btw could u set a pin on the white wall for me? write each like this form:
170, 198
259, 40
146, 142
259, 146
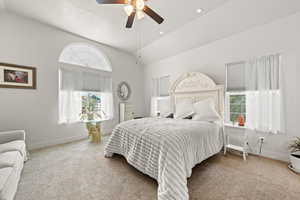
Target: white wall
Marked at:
29, 43
281, 36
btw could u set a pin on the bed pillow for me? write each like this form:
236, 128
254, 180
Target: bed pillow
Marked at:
171, 116
189, 117
184, 109
205, 111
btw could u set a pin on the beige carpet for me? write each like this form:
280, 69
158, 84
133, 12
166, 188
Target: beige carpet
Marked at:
78, 171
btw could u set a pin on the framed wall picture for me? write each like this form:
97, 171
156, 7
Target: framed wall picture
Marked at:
16, 76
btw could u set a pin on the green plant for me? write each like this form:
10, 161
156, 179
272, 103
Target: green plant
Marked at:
295, 145
91, 108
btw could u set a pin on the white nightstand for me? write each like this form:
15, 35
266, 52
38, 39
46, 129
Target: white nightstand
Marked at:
227, 145
126, 112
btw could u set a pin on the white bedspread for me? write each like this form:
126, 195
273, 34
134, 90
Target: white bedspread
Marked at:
166, 150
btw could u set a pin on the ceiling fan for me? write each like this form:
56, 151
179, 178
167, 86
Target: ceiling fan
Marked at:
135, 8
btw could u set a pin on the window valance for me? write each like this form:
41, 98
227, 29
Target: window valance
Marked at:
84, 79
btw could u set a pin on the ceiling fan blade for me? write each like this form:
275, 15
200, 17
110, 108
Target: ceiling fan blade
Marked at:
130, 20
112, 1
153, 15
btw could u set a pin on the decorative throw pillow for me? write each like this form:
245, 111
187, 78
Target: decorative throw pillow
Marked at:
205, 111
170, 116
184, 109
189, 117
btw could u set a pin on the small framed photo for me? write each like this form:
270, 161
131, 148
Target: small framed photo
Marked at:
16, 76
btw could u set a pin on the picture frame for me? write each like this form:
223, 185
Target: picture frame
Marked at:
17, 76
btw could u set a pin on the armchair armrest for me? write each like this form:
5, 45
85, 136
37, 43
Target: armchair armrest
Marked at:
9, 136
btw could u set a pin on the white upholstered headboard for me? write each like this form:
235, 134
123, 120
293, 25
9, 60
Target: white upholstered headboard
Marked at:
196, 86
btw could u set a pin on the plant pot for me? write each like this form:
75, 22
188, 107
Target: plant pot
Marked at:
295, 160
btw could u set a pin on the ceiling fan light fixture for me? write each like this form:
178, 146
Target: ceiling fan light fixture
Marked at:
128, 9
140, 14
199, 10
140, 4
134, 9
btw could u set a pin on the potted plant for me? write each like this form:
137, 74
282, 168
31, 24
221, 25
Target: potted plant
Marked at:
92, 114
295, 154
91, 108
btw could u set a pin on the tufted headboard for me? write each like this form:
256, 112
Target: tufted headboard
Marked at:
197, 86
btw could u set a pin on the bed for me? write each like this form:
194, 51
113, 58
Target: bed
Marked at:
167, 149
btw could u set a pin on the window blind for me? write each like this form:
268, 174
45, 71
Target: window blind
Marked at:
256, 74
235, 76
83, 79
160, 86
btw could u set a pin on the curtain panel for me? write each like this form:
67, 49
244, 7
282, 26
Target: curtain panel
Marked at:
74, 81
160, 101
161, 86
264, 94
260, 80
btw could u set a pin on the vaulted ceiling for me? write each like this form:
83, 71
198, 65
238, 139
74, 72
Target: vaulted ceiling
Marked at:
106, 23
231, 18
183, 27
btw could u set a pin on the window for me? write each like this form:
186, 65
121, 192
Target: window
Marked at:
160, 102
236, 93
91, 106
253, 90
85, 55
85, 85
237, 106
161, 86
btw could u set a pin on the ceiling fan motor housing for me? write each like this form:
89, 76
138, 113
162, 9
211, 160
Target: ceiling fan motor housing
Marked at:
135, 7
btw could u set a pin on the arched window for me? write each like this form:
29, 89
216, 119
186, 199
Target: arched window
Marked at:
85, 84
86, 56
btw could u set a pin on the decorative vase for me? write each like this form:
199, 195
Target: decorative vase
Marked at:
295, 160
241, 120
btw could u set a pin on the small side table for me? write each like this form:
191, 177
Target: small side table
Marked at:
227, 145
94, 130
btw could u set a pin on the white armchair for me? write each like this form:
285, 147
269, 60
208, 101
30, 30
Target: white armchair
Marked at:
9, 136
12, 157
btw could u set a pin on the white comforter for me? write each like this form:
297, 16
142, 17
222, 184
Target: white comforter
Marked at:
166, 150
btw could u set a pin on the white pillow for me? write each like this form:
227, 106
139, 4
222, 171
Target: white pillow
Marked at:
184, 109
205, 111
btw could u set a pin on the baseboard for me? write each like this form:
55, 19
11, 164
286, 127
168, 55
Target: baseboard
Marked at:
276, 155
272, 155
56, 142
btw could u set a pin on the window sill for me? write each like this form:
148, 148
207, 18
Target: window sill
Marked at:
84, 121
235, 126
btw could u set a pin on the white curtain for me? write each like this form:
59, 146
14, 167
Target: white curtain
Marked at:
161, 86
264, 106
73, 81
69, 106
160, 101
107, 104
161, 105
154, 105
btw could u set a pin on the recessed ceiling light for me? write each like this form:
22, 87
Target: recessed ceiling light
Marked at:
161, 32
199, 10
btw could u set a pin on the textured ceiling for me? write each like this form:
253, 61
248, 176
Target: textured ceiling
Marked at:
106, 23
